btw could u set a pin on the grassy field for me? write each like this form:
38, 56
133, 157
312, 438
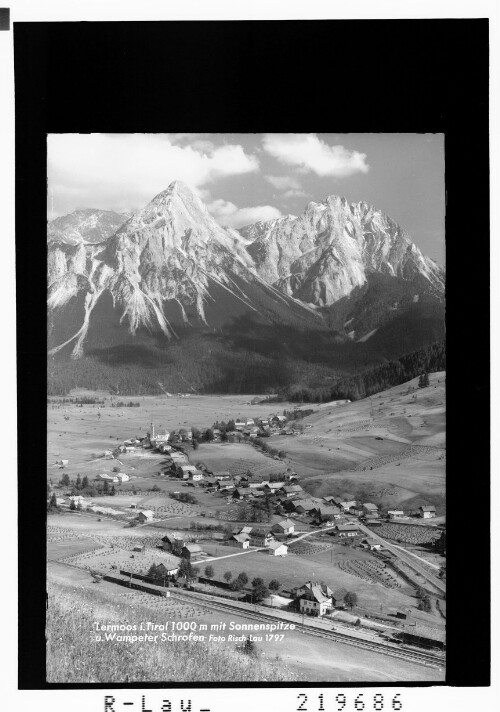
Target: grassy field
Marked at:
295, 570
73, 656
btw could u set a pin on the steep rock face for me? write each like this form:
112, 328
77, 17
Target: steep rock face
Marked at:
330, 249
170, 265
85, 225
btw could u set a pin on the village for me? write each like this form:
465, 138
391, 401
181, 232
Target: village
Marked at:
251, 534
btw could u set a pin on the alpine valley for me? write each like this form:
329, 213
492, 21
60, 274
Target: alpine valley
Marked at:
169, 299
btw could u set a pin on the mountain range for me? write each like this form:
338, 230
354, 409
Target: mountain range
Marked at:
341, 277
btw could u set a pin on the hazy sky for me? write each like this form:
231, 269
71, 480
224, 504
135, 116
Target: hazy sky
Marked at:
248, 177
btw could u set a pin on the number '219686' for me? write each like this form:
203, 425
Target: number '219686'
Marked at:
361, 702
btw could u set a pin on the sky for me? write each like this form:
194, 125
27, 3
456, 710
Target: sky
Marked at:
244, 178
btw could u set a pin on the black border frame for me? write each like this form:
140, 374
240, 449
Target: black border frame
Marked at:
253, 76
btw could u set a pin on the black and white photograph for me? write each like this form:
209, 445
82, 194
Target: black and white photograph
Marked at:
246, 407
252, 361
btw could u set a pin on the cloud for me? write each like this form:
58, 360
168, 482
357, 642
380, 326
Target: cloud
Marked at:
227, 213
308, 153
120, 170
283, 182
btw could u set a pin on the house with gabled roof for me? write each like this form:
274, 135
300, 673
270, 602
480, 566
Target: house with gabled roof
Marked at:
277, 548
306, 506
370, 509
259, 536
240, 540
314, 598
346, 530
191, 551
345, 506
291, 490
427, 512
145, 516
285, 526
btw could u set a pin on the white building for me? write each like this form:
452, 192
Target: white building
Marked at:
276, 548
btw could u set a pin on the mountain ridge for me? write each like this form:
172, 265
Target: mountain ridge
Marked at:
342, 269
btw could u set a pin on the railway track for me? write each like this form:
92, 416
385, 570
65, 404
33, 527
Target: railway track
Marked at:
391, 649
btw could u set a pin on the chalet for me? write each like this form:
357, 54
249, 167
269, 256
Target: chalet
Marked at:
164, 447
427, 512
315, 599
250, 421
196, 475
277, 548
225, 486
327, 515
395, 513
256, 494
346, 506
240, 424
346, 530
191, 551
184, 471
107, 478
338, 597
145, 516
241, 493
122, 477
356, 510
240, 540
222, 476
170, 540
284, 527
370, 509
305, 506
260, 536
273, 487
330, 499
291, 490
167, 569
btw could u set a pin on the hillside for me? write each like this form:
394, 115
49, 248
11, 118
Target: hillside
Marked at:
389, 449
73, 655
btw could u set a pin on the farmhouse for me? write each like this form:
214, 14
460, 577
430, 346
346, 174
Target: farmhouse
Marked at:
241, 540
122, 477
184, 471
370, 508
169, 541
222, 476
107, 478
277, 548
167, 569
327, 515
291, 490
273, 486
284, 527
240, 493
395, 513
145, 516
356, 510
346, 506
427, 512
260, 537
191, 551
315, 599
196, 475
304, 506
346, 530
